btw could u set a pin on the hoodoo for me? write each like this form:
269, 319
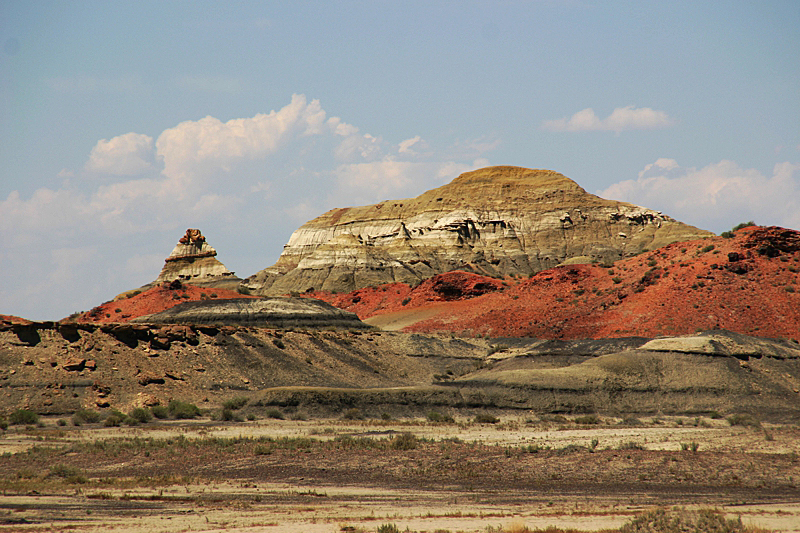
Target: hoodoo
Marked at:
192, 260
496, 221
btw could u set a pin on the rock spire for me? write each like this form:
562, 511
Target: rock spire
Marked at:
193, 260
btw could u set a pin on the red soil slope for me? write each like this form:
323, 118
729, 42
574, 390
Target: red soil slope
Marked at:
749, 284
153, 300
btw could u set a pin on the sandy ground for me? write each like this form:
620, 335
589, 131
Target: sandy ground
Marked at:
309, 505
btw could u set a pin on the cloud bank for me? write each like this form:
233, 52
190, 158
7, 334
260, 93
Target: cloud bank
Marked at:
621, 119
717, 196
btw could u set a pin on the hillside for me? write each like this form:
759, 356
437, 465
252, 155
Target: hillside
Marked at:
749, 284
496, 221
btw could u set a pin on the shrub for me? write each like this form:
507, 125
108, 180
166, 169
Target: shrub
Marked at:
68, 473
587, 420
23, 416
160, 412
661, 521
3, 423
686, 446
388, 528
114, 419
616, 279
435, 416
235, 403
707, 248
631, 445
353, 414
404, 441
278, 343
227, 415
486, 418
274, 413
62, 422
744, 420
182, 410
141, 415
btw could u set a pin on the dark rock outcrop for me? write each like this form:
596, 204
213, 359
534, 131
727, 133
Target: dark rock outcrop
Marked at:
262, 312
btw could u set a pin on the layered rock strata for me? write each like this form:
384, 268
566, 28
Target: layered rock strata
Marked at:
496, 221
193, 259
261, 312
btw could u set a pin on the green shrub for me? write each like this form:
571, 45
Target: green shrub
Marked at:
62, 422
115, 419
23, 416
707, 248
486, 418
160, 412
3, 423
183, 410
631, 445
227, 415
274, 413
235, 403
404, 441
141, 415
388, 528
616, 279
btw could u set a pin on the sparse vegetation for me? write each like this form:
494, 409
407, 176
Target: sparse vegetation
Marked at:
485, 418
141, 415
182, 410
235, 403
24, 417
745, 420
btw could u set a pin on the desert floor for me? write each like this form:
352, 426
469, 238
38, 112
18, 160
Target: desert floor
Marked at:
329, 475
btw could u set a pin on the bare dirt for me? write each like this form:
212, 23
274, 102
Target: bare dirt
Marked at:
332, 475
749, 284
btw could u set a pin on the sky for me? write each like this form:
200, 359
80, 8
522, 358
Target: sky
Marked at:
124, 123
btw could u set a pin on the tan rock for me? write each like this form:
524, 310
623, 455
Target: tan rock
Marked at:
192, 259
496, 221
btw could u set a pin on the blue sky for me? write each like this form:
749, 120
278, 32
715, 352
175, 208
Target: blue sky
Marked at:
124, 123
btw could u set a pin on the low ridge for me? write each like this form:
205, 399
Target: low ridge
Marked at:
496, 221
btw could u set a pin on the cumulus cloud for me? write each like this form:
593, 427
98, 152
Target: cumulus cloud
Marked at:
247, 183
621, 119
717, 196
124, 155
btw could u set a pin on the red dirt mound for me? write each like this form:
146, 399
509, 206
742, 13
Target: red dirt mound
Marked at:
7, 321
749, 284
153, 300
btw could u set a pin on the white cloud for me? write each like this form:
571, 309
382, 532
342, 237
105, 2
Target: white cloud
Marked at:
621, 119
405, 146
125, 155
247, 182
717, 196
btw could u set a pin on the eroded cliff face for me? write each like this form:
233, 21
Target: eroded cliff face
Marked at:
496, 221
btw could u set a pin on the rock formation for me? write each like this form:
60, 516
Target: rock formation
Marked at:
497, 221
262, 312
192, 260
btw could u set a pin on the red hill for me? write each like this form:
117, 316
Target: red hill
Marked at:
153, 300
749, 284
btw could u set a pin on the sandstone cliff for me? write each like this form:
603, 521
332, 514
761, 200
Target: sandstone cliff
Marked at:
496, 221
